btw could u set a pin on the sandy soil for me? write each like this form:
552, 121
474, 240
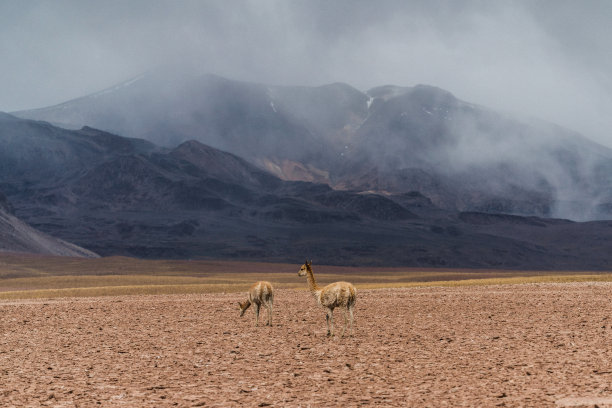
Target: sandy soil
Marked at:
525, 345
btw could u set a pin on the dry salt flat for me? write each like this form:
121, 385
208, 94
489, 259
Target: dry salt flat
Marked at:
514, 345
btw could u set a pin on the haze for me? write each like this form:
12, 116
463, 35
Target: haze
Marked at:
546, 59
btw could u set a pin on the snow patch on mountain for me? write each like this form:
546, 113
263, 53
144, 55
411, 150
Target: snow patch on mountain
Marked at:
118, 87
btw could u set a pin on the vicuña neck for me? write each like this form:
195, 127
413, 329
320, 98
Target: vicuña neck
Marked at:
312, 283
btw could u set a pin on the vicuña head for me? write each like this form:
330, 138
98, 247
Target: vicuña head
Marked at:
304, 269
260, 293
337, 294
244, 306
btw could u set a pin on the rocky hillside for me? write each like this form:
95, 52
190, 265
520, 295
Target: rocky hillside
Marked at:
123, 196
17, 236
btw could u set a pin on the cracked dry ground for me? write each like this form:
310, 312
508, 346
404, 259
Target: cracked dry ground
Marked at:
521, 345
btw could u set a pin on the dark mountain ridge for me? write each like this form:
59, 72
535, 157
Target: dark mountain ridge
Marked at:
126, 196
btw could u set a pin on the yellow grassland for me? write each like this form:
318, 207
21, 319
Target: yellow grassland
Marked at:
27, 276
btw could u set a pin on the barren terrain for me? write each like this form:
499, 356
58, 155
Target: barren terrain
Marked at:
502, 345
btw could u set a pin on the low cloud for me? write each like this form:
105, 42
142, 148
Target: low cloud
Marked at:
547, 59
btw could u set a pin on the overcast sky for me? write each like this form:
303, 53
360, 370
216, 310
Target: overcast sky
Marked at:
548, 59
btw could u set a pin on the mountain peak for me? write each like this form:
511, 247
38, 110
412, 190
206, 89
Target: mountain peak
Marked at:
387, 91
196, 152
432, 90
218, 163
420, 91
191, 145
432, 95
116, 143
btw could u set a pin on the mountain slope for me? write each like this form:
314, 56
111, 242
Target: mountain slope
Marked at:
38, 149
17, 236
133, 198
234, 116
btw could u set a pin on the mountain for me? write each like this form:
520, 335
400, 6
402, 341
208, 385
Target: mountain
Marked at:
388, 140
229, 115
469, 158
118, 195
126, 196
284, 130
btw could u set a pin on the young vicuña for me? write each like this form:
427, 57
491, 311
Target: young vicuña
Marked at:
261, 293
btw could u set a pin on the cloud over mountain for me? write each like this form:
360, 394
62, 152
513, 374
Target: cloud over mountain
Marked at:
388, 139
546, 59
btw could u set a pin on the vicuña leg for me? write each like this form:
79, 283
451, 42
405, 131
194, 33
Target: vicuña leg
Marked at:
257, 306
269, 306
350, 310
330, 321
345, 322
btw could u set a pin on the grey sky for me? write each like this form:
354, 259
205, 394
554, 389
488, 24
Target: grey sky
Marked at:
549, 59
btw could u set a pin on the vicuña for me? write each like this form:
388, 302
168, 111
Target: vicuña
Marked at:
261, 293
337, 294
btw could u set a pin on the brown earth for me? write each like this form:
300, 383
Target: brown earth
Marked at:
512, 345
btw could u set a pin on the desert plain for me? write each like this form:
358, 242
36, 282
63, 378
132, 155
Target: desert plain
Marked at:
530, 344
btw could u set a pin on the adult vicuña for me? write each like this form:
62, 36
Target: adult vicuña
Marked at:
337, 294
261, 293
